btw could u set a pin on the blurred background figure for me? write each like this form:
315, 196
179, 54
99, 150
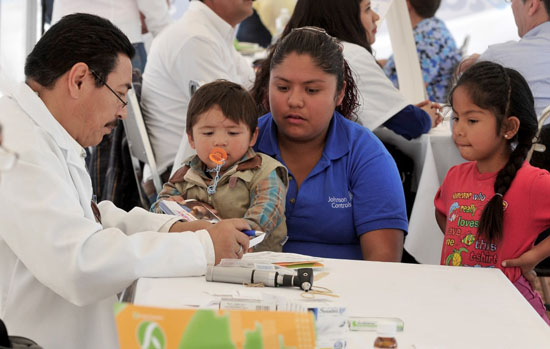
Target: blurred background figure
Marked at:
531, 54
253, 30
133, 17
435, 46
199, 48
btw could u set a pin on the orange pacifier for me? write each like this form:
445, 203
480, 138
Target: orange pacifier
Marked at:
218, 156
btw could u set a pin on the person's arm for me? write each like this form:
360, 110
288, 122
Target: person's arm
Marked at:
157, 14
379, 99
379, 209
169, 192
441, 220
267, 207
527, 261
538, 198
410, 122
384, 245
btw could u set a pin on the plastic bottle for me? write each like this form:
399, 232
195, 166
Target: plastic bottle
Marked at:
386, 335
280, 23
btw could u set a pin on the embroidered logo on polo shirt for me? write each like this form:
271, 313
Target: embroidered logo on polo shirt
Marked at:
339, 202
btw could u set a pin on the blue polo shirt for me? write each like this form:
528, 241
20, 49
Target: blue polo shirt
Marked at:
353, 189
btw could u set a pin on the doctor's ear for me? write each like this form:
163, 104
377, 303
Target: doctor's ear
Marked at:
78, 77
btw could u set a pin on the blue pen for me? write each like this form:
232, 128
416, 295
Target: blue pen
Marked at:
253, 233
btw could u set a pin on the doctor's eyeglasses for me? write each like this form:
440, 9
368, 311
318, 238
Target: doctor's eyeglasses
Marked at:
124, 103
8, 159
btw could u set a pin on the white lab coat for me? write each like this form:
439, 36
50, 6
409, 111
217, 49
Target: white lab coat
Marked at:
59, 269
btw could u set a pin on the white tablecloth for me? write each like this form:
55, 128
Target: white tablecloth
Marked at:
441, 306
433, 154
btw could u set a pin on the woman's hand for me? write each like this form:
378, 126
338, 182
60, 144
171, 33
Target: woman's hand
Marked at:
433, 110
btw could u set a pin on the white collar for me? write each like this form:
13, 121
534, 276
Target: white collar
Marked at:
216, 22
33, 106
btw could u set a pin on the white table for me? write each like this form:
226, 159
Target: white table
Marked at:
433, 155
441, 306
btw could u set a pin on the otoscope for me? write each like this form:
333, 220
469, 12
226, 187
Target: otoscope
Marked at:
237, 275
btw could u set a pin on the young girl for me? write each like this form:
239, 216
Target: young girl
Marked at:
345, 198
493, 207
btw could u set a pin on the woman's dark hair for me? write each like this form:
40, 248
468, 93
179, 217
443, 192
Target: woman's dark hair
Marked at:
339, 18
425, 8
77, 38
234, 101
505, 93
324, 50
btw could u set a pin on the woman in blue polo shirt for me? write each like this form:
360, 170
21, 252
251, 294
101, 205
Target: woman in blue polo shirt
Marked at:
345, 198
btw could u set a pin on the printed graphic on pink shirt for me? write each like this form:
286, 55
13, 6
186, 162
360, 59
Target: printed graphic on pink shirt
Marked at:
461, 246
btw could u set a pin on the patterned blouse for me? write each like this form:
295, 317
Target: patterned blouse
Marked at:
438, 57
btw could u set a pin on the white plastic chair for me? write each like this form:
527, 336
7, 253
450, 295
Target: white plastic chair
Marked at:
140, 146
184, 149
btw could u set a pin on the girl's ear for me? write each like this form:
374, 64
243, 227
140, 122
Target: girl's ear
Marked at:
510, 127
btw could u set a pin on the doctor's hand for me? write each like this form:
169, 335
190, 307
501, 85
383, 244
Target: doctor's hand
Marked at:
228, 239
190, 226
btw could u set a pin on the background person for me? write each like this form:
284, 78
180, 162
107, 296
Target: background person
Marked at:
251, 185
126, 15
339, 171
436, 48
64, 258
197, 47
493, 207
531, 54
354, 23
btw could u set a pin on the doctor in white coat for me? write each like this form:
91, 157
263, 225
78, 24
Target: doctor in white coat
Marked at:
61, 263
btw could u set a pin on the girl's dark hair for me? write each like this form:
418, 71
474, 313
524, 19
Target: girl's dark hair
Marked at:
324, 50
234, 101
77, 38
505, 93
